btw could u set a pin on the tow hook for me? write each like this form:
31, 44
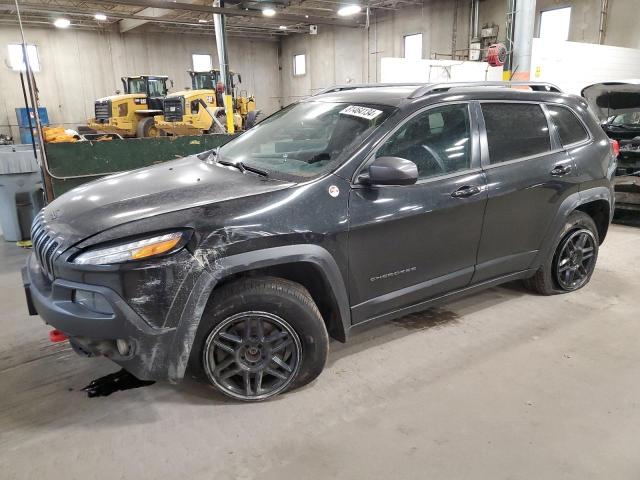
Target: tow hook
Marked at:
57, 336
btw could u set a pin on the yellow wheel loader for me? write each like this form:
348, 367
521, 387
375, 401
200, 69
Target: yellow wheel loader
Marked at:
201, 110
131, 114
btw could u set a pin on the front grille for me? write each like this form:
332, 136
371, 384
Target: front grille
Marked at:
173, 109
45, 244
103, 109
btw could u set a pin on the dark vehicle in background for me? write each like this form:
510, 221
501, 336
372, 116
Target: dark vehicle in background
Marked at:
617, 104
358, 204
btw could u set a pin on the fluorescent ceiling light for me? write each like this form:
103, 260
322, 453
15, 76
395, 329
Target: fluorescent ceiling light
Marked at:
62, 22
348, 10
282, 27
202, 20
100, 17
268, 12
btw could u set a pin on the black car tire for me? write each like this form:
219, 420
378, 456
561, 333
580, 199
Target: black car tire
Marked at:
546, 280
147, 128
252, 119
276, 301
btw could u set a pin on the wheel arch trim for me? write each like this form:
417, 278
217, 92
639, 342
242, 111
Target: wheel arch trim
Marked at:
569, 205
245, 262
300, 253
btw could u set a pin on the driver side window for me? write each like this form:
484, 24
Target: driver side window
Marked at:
438, 141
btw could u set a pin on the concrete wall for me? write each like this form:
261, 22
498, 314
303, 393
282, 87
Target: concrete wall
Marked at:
622, 26
337, 55
80, 66
354, 55
364, 49
563, 63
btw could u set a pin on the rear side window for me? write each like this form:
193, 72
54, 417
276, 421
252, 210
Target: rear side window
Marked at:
569, 127
515, 130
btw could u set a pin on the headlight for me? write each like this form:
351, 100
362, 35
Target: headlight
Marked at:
137, 250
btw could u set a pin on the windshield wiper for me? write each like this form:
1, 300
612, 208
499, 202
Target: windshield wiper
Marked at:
242, 167
213, 155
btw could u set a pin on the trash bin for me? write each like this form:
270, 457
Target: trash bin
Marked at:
24, 209
20, 191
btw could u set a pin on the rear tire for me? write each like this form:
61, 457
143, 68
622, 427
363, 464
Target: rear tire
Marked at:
147, 128
570, 265
260, 337
252, 119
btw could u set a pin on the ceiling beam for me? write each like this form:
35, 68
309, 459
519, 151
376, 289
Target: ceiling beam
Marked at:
269, 24
315, 20
132, 22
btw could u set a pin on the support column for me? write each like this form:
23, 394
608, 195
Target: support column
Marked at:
219, 24
523, 39
508, 42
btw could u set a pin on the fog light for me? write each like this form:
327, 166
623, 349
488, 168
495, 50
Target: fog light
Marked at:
92, 301
124, 347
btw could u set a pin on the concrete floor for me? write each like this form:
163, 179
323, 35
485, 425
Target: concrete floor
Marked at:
501, 385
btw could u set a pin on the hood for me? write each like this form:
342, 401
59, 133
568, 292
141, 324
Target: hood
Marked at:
608, 99
130, 196
123, 96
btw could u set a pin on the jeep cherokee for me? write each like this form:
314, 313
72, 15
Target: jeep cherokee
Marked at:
360, 203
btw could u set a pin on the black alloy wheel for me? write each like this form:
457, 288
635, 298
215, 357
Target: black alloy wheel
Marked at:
252, 355
576, 260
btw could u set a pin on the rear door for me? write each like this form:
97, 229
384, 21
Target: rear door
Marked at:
529, 174
413, 242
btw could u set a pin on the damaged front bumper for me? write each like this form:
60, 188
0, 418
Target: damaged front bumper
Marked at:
154, 344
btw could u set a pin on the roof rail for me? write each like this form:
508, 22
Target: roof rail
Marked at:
353, 86
445, 87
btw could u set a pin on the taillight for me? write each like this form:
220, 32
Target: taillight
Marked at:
615, 147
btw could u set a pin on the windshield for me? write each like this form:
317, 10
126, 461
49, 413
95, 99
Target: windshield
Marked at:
306, 139
631, 119
205, 81
157, 87
137, 85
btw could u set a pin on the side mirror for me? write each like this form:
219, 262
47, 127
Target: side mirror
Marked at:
391, 171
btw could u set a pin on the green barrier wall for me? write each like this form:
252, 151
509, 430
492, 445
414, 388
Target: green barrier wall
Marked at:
98, 159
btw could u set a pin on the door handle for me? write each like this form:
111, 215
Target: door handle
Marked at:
466, 191
560, 170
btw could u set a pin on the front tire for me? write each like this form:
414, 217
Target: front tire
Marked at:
573, 261
261, 337
147, 128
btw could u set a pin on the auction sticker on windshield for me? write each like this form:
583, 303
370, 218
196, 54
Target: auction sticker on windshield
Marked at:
362, 112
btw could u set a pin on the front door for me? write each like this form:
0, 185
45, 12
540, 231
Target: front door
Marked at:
411, 243
528, 176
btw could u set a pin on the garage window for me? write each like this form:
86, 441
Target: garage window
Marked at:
413, 46
554, 24
299, 64
16, 58
201, 62
569, 127
515, 130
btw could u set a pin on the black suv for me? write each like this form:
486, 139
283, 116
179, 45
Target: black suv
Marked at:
357, 204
